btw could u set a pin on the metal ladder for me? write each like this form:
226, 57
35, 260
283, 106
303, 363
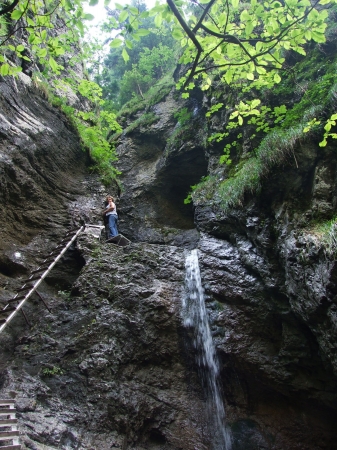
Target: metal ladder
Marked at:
15, 304
8, 420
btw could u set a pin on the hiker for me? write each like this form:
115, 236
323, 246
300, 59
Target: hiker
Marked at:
111, 214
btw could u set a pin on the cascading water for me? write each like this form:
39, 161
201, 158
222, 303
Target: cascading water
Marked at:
194, 316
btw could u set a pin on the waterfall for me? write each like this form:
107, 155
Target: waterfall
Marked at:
195, 318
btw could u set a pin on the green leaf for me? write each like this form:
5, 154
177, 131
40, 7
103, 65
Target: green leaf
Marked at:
177, 34
31, 38
185, 95
317, 37
123, 16
93, 2
250, 76
228, 76
116, 43
307, 35
158, 20
16, 14
80, 27
44, 34
20, 48
128, 44
142, 32
42, 53
249, 28
277, 78
88, 17
53, 64
4, 69
255, 103
125, 55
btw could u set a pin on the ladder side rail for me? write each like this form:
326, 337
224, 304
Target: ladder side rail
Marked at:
20, 305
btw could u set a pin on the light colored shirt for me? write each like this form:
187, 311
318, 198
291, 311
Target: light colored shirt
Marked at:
114, 211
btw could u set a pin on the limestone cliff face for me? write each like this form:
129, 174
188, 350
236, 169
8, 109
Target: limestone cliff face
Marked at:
270, 286
111, 365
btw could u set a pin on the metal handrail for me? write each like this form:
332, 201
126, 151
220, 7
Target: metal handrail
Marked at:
35, 286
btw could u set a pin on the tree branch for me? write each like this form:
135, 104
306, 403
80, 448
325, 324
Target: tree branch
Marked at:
9, 8
208, 7
184, 25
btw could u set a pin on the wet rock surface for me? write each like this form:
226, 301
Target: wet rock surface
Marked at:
106, 367
111, 365
156, 177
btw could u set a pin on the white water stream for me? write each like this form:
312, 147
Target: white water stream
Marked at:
194, 316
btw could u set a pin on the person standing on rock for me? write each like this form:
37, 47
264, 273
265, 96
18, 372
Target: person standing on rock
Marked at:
111, 214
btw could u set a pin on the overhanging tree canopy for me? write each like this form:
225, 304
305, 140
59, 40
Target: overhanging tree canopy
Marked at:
240, 40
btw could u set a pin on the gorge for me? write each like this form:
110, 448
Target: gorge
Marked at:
114, 364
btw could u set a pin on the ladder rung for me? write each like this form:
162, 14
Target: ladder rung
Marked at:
16, 299
7, 410
48, 261
25, 288
32, 279
7, 401
8, 434
11, 308
4, 422
11, 447
40, 269
74, 231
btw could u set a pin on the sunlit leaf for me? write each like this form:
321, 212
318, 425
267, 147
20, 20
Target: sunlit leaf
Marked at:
125, 55
53, 64
123, 16
116, 43
277, 78
16, 14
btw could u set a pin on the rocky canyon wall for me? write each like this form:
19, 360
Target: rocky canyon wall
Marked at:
111, 365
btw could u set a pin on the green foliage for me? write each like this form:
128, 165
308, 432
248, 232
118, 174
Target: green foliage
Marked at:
48, 38
65, 295
327, 234
143, 120
145, 57
47, 372
205, 181
273, 150
330, 122
183, 116
93, 127
152, 65
241, 41
153, 96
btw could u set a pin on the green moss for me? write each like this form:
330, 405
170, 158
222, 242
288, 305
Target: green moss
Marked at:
153, 96
273, 150
326, 233
143, 120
